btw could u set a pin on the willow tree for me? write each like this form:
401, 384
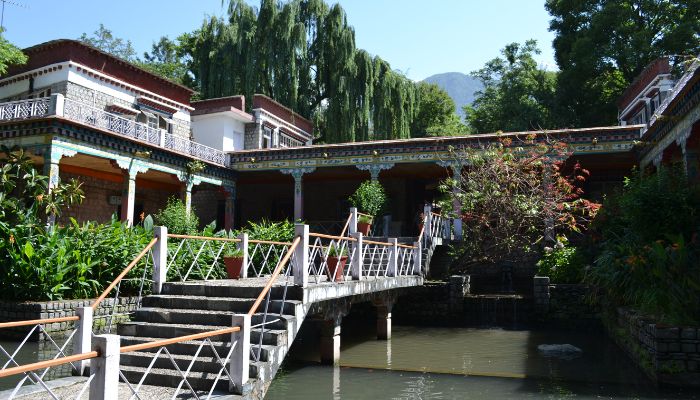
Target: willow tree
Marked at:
302, 53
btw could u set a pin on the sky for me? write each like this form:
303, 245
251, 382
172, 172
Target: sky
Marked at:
419, 38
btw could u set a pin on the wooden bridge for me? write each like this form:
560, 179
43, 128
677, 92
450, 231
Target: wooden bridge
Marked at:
199, 336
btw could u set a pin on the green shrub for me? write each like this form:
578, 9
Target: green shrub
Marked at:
649, 253
175, 217
370, 198
562, 264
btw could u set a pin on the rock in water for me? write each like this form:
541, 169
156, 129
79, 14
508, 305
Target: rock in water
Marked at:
565, 351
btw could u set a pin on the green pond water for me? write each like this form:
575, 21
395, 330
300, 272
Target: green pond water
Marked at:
464, 363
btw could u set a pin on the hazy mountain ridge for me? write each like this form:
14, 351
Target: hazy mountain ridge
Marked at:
459, 86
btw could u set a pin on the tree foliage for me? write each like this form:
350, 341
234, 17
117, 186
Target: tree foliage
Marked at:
601, 46
436, 114
105, 40
517, 94
302, 53
9, 54
514, 196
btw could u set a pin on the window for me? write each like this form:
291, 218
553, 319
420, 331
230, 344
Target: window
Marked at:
639, 118
286, 141
655, 103
148, 118
267, 138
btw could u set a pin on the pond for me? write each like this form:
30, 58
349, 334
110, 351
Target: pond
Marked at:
464, 363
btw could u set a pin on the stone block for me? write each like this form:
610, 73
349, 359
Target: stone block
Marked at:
689, 347
667, 333
689, 333
674, 347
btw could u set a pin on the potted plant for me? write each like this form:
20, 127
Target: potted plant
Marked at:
337, 258
233, 260
369, 199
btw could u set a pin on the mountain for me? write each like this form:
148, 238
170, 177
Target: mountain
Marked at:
459, 86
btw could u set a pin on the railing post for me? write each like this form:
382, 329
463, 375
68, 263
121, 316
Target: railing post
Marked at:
105, 384
160, 258
392, 268
352, 228
417, 257
161, 137
83, 337
240, 357
358, 258
56, 104
301, 256
428, 222
243, 246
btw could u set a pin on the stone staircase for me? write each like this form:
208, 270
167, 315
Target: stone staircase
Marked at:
195, 307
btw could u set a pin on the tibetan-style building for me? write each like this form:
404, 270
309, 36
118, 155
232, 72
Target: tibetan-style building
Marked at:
133, 138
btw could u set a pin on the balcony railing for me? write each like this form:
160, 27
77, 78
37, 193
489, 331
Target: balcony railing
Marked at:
93, 116
25, 109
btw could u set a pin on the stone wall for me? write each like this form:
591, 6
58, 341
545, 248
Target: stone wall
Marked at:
564, 305
424, 305
16, 311
252, 137
670, 355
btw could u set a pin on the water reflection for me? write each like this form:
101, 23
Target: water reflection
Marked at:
463, 363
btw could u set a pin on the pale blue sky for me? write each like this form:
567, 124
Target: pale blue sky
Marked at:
420, 38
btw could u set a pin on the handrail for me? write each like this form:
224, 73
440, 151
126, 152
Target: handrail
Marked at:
323, 236
365, 215
377, 243
405, 246
269, 242
15, 324
166, 342
123, 274
47, 364
274, 275
220, 239
347, 224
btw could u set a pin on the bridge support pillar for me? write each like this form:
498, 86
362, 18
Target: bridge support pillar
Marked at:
384, 306
330, 341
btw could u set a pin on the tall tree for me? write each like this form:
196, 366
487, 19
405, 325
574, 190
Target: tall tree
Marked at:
602, 45
517, 94
167, 59
436, 114
302, 53
104, 40
9, 54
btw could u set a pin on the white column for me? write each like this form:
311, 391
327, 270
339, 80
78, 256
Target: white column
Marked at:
188, 197
243, 246
357, 256
230, 193
129, 197
298, 174
240, 357
56, 104
352, 228
384, 321
456, 204
105, 384
83, 337
393, 267
160, 258
301, 256
427, 221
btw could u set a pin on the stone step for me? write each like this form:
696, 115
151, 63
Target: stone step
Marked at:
206, 317
161, 330
200, 381
213, 303
241, 289
163, 361
189, 348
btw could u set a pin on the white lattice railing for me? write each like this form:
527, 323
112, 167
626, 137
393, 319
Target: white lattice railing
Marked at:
25, 109
99, 118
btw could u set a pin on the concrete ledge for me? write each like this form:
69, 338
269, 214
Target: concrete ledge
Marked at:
329, 290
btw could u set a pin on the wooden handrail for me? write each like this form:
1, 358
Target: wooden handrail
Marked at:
405, 246
123, 274
219, 239
166, 342
378, 243
364, 215
269, 242
15, 324
48, 363
323, 236
275, 273
347, 224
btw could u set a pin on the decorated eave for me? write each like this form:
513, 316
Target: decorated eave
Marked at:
673, 116
603, 140
46, 55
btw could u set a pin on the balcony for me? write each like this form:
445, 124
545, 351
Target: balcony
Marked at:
57, 105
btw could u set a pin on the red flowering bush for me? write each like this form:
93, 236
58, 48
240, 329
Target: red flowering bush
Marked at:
514, 197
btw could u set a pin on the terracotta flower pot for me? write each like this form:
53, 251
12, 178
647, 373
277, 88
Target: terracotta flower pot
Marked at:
336, 264
234, 266
364, 228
